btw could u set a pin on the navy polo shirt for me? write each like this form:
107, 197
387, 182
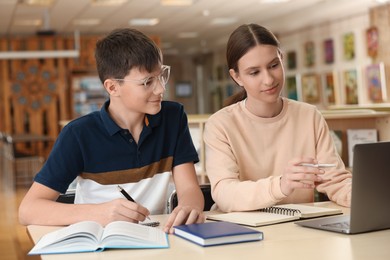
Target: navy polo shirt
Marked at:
95, 147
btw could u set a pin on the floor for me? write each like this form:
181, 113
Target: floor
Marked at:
14, 241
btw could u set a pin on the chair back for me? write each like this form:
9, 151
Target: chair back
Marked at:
8, 147
18, 169
208, 199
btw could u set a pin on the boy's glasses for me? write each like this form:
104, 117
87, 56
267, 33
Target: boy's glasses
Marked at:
151, 82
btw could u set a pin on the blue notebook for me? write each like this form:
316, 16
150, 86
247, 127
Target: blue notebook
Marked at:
217, 233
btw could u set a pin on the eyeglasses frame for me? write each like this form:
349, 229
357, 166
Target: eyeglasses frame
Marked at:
145, 81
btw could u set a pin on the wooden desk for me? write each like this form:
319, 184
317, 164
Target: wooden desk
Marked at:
282, 241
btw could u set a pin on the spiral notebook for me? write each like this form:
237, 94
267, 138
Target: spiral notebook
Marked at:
274, 215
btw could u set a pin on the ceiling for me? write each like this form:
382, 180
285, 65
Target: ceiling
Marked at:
173, 20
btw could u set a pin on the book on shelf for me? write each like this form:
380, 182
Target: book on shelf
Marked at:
275, 214
358, 136
90, 236
217, 233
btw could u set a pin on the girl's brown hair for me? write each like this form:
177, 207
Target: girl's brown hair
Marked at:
242, 39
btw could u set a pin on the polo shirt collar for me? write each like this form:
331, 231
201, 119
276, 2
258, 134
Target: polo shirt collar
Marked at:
110, 125
112, 128
153, 120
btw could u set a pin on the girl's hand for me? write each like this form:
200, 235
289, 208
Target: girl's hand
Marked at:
297, 176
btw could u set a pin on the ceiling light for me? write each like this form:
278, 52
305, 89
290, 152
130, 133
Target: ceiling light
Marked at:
177, 2
36, 2
206, 12
144, 22
166, 45
22, 55
45, 54
28, 22
223, 21
171, 51
273, 1
108, 2
86, 22
7, 2
188, 35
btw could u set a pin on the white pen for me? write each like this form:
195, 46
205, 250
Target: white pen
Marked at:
320, 165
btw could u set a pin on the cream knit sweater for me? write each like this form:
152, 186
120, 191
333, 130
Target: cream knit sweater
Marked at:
246, 156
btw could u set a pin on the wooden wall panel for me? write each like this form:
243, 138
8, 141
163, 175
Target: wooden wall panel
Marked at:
34, 91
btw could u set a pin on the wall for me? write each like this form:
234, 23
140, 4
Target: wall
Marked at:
335, 30
358, 25
195, 71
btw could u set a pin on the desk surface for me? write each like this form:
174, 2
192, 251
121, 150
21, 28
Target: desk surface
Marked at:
281, 241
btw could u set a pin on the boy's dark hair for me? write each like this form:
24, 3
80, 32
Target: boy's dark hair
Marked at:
124, 49
242, 39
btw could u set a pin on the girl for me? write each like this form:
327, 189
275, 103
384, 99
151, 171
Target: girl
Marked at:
257, 145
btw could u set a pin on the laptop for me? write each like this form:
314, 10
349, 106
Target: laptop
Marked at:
370, 207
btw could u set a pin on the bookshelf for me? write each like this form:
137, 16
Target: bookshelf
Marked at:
358, 119
196, 125
88, 95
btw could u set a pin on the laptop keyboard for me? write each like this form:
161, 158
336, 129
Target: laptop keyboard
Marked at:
339, 225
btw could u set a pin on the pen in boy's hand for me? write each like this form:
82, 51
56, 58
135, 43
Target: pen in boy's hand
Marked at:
124, 193
127, 196
319, 165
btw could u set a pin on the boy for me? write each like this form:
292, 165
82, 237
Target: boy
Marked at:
136, 140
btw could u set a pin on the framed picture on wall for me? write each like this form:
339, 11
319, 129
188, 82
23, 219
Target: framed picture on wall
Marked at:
309, 54
350, 86
311, 88
330, 88
183, 89
372, 38
291, 60
328, 51
376, 83
291, 87
349, 46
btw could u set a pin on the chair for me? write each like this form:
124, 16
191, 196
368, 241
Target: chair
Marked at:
172, 202
19, 169
67, 197
208, 200
319, 196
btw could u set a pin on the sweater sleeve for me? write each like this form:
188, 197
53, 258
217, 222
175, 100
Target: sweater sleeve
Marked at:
229, 191
338, 181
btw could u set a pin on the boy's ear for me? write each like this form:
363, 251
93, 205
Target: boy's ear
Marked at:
111, 86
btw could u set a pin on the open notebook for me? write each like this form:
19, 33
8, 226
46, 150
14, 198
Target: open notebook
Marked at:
275, 214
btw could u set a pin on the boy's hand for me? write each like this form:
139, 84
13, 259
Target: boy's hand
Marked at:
121, 210
183, 215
